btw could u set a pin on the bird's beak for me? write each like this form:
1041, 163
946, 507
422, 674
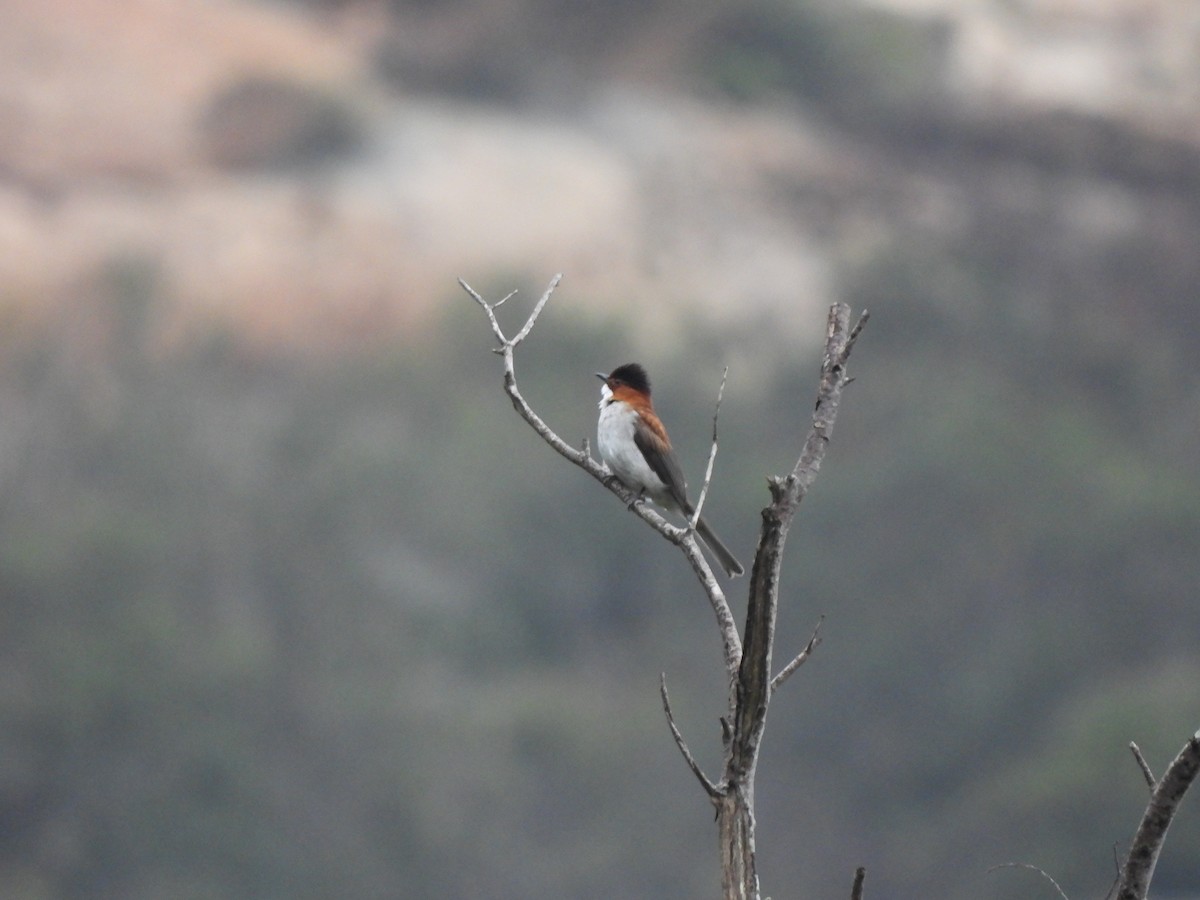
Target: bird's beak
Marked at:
602, 376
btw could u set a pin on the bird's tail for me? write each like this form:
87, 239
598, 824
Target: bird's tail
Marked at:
728, 561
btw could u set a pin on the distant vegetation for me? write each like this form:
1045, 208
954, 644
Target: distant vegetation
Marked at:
854, 62
286, 628
264, 123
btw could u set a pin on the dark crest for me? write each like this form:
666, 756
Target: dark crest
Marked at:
633, 375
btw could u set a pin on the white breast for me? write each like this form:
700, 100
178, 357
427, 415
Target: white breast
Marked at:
614, 439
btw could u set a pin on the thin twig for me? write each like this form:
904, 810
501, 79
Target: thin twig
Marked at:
725, 620
854, 333
860, 875
1042, 872
1151, 781
489, 311
711, 789
712, 454
801, 658
537, 310
1117, 877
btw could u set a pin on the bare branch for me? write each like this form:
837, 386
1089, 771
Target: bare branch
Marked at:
1040, 871
860, 875
731, 641
1151, 781
711, 789
581, 459
801, 658
683, 538
1164, 801
712, 454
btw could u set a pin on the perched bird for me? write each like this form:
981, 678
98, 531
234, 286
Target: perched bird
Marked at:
635, 446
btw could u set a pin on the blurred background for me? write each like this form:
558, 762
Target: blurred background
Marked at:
293, 606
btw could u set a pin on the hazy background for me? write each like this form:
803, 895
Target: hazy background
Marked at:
293, 606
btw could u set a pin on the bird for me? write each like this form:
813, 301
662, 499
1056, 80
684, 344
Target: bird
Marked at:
634, 445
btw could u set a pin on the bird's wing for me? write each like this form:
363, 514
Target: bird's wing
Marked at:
661, 458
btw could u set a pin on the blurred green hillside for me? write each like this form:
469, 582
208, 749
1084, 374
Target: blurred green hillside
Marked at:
277, 627
292, 605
